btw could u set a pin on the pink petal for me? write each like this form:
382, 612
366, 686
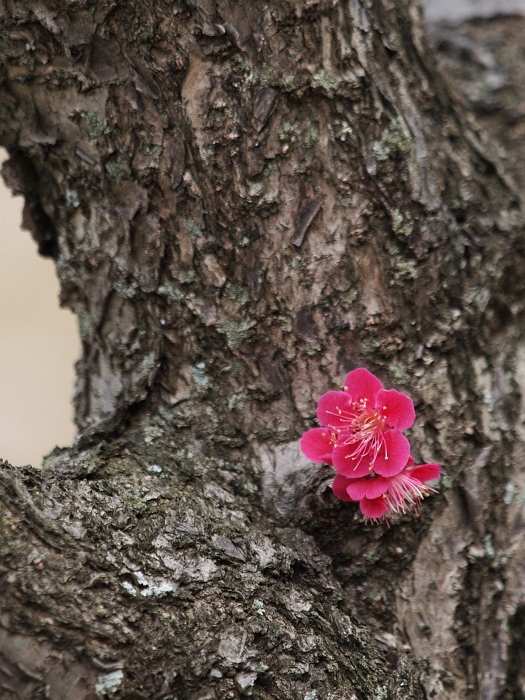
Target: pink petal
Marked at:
332, 409
426, 472
367, 488
373, 507
356, 488
345, 464
316, 445
393, 455
377, 486
339, 487
397, 408
362, 384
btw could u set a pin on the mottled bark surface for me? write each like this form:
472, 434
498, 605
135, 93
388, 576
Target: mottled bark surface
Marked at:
245, 200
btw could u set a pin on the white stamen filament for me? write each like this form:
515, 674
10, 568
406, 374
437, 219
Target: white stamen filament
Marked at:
405, 492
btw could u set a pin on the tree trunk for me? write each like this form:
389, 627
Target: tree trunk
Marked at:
246, 200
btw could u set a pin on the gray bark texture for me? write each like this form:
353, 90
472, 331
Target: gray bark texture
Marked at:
246, 199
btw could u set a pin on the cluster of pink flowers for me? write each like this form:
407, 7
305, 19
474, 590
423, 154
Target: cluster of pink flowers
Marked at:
361, 438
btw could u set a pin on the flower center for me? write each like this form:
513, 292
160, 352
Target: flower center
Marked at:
366, 427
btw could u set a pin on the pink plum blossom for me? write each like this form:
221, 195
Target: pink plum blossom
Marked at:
368, 421
361, 438
381, 496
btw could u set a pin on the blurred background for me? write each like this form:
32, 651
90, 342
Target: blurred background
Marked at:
38, 346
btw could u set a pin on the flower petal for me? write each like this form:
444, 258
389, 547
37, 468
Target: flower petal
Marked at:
334, 409
339, 487
377, 486
426, 472
362, 384
373, 507
316, 445
371, 487
344, 462
356, 488
397, 408
393, 455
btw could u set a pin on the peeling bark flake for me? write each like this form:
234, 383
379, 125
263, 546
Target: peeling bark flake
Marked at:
264, 106
306, 216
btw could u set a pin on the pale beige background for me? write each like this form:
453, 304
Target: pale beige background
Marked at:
38, 346
455, 11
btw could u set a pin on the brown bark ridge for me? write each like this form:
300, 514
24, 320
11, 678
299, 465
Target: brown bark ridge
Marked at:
244, 201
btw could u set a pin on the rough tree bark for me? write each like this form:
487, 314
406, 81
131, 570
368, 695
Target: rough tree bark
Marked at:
246, 199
